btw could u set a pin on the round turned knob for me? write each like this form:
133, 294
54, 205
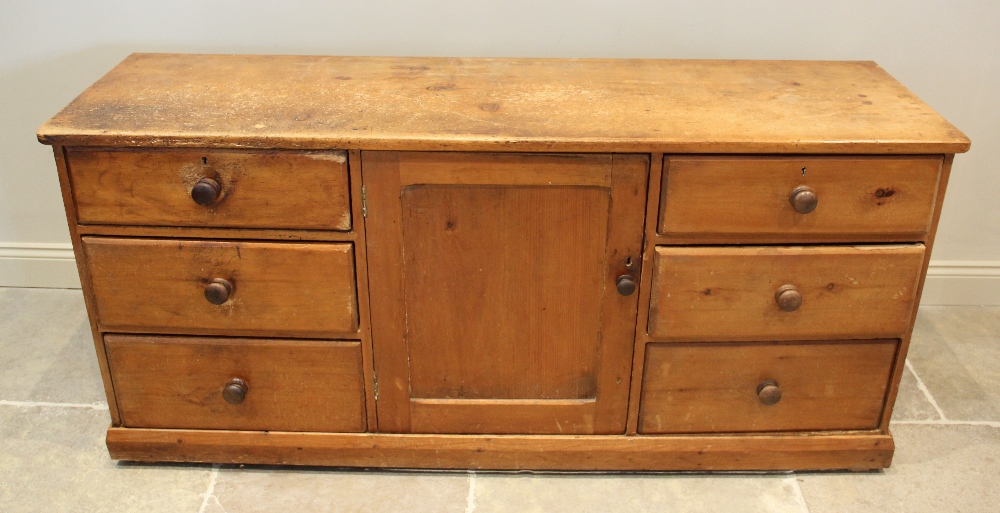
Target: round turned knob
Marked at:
788, 297
218, 291
626, 285
206, 192
769, 392
235, 391
803, 199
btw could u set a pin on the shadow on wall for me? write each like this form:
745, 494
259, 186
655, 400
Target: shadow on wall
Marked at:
30, 201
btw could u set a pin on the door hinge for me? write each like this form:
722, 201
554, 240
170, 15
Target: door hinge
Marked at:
364, 203
375, 379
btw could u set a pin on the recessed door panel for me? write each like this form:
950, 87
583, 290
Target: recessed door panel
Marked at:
503, 290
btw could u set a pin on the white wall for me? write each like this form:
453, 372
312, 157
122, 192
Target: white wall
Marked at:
947, 52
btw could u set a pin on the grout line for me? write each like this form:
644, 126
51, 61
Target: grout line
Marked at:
470, 500
923, 388
29, 404
797, 490
989, 423
210, 493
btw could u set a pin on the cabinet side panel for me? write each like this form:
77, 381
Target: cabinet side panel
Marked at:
88, 288
897, 373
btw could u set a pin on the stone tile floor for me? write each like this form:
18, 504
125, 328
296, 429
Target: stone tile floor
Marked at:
53, 416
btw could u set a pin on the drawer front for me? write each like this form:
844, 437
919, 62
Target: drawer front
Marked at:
857, 199
255, 189
783, 293
282, 289
708, 388
243, 384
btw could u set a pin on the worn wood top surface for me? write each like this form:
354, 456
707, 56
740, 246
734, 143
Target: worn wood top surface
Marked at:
502, 105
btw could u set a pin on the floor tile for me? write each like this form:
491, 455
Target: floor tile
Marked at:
54, 459
730, 493
955, 351
46, 348
264, 489
911, 403
936, 468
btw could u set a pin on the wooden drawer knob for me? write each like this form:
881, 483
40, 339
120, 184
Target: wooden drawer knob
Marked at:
626, 285
803, 199
206, 192
218, 291
235, 391
768, 392
788, 297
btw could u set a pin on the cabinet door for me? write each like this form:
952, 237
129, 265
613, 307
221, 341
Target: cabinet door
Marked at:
493, 289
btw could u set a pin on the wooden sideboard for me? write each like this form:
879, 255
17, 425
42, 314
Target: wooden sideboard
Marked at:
501, 263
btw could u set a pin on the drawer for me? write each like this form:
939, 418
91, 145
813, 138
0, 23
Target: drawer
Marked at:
783, 293
255, 189
707, 388
284, 289
243, 384
714, 199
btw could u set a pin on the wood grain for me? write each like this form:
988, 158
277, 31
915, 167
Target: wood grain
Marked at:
361, 268
493, 306
904, 347
564, 105
517, 416
854, 451
88, 290
384, 236
281, 289
444, 168
177, 382
624, 256
713, 199
503, 287
706, 388
645, 286
195, 232
728, 293
259, 189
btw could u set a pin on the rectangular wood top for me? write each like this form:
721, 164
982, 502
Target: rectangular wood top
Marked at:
473, 104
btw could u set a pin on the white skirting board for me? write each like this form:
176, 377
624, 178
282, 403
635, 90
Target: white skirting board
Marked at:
949, 282
35, 264
962, 282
